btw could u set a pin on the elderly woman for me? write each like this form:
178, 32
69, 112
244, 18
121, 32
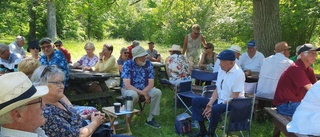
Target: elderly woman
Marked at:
62, 119
89, 60
124, 54
34, 49
28, 65
107, 64
177, 66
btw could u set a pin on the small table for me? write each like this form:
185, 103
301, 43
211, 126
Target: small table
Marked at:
113, 116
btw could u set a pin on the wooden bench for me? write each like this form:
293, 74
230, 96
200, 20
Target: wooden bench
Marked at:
280, 122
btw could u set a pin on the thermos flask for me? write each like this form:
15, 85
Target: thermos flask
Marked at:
129, 103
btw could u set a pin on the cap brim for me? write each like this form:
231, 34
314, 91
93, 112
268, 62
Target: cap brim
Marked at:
140, 55
41, 91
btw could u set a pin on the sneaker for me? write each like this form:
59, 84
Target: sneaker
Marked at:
153, 124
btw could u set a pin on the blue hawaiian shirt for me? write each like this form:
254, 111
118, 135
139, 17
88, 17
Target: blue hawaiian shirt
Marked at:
59, 60
139, 73
61, 123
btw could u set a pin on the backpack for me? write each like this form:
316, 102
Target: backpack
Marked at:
183, 124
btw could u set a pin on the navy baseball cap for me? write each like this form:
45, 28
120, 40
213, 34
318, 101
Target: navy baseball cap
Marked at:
251, 44
227, 55
307, 47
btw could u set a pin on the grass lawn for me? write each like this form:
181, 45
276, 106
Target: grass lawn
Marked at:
167, 117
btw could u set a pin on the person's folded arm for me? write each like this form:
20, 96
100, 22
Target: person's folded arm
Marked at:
128, 86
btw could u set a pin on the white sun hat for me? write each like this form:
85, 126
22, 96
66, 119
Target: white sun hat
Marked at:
17, 90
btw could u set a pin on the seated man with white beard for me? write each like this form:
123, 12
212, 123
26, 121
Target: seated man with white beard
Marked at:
138, 79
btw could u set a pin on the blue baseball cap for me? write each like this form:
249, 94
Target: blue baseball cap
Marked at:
227, 55
251, 44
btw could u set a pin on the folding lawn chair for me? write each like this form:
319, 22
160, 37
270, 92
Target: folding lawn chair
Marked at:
202, 75
240, 115
185, 95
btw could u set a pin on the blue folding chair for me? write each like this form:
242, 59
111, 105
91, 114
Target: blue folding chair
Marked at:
185, 95
240, 115
202, 75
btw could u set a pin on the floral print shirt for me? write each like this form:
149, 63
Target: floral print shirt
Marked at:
139, 73
178, 67
88, 62
59, 60
61, 123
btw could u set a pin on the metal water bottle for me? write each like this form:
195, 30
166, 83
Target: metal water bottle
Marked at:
129, 103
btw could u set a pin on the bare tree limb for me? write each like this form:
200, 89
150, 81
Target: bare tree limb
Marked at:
134, 2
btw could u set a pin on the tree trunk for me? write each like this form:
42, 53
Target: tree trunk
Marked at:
266, 25
52, 29
33, 19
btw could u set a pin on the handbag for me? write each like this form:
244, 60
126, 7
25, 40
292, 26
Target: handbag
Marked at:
103, 131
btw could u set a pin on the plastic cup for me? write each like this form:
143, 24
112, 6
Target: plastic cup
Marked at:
117, 107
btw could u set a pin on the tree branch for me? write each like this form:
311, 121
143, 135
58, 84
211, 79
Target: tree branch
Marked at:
134, 2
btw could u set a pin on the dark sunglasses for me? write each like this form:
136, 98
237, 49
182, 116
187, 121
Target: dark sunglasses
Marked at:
47, 69
207, 48
196, 33
40, 101
58, 45
35, 48
125, 52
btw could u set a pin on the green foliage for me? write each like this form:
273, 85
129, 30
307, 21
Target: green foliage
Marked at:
298, 21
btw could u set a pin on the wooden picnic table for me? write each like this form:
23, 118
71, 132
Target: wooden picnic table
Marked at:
253, 77
159, 71
76, 92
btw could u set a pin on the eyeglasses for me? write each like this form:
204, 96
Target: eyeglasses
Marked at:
221, 84
39, 101
207, 48
57, 83
47, 69
35, 48
46, 46
125, 52
3, 52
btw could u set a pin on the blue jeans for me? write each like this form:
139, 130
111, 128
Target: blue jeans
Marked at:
199, 104
288, 108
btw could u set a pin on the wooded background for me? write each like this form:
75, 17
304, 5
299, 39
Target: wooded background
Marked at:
165, 21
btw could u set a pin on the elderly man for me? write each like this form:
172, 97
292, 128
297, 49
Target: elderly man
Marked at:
295, 81
17, 47
65, 52
252, 59
53, 57
8, 61
154, 55
134, 44
138, 80
21, 106
237, 51
230, 84
271, 70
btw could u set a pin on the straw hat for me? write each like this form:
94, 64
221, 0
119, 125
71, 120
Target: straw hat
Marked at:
235, 48
281, 46
175, 48
138, 51
17, 90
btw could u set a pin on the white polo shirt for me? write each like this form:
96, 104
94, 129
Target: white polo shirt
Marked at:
217, 65
227, 83
254, 63
271, 70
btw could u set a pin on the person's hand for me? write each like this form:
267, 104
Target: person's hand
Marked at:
101, 54
86, 69
98, 118
146, 96
207, 111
